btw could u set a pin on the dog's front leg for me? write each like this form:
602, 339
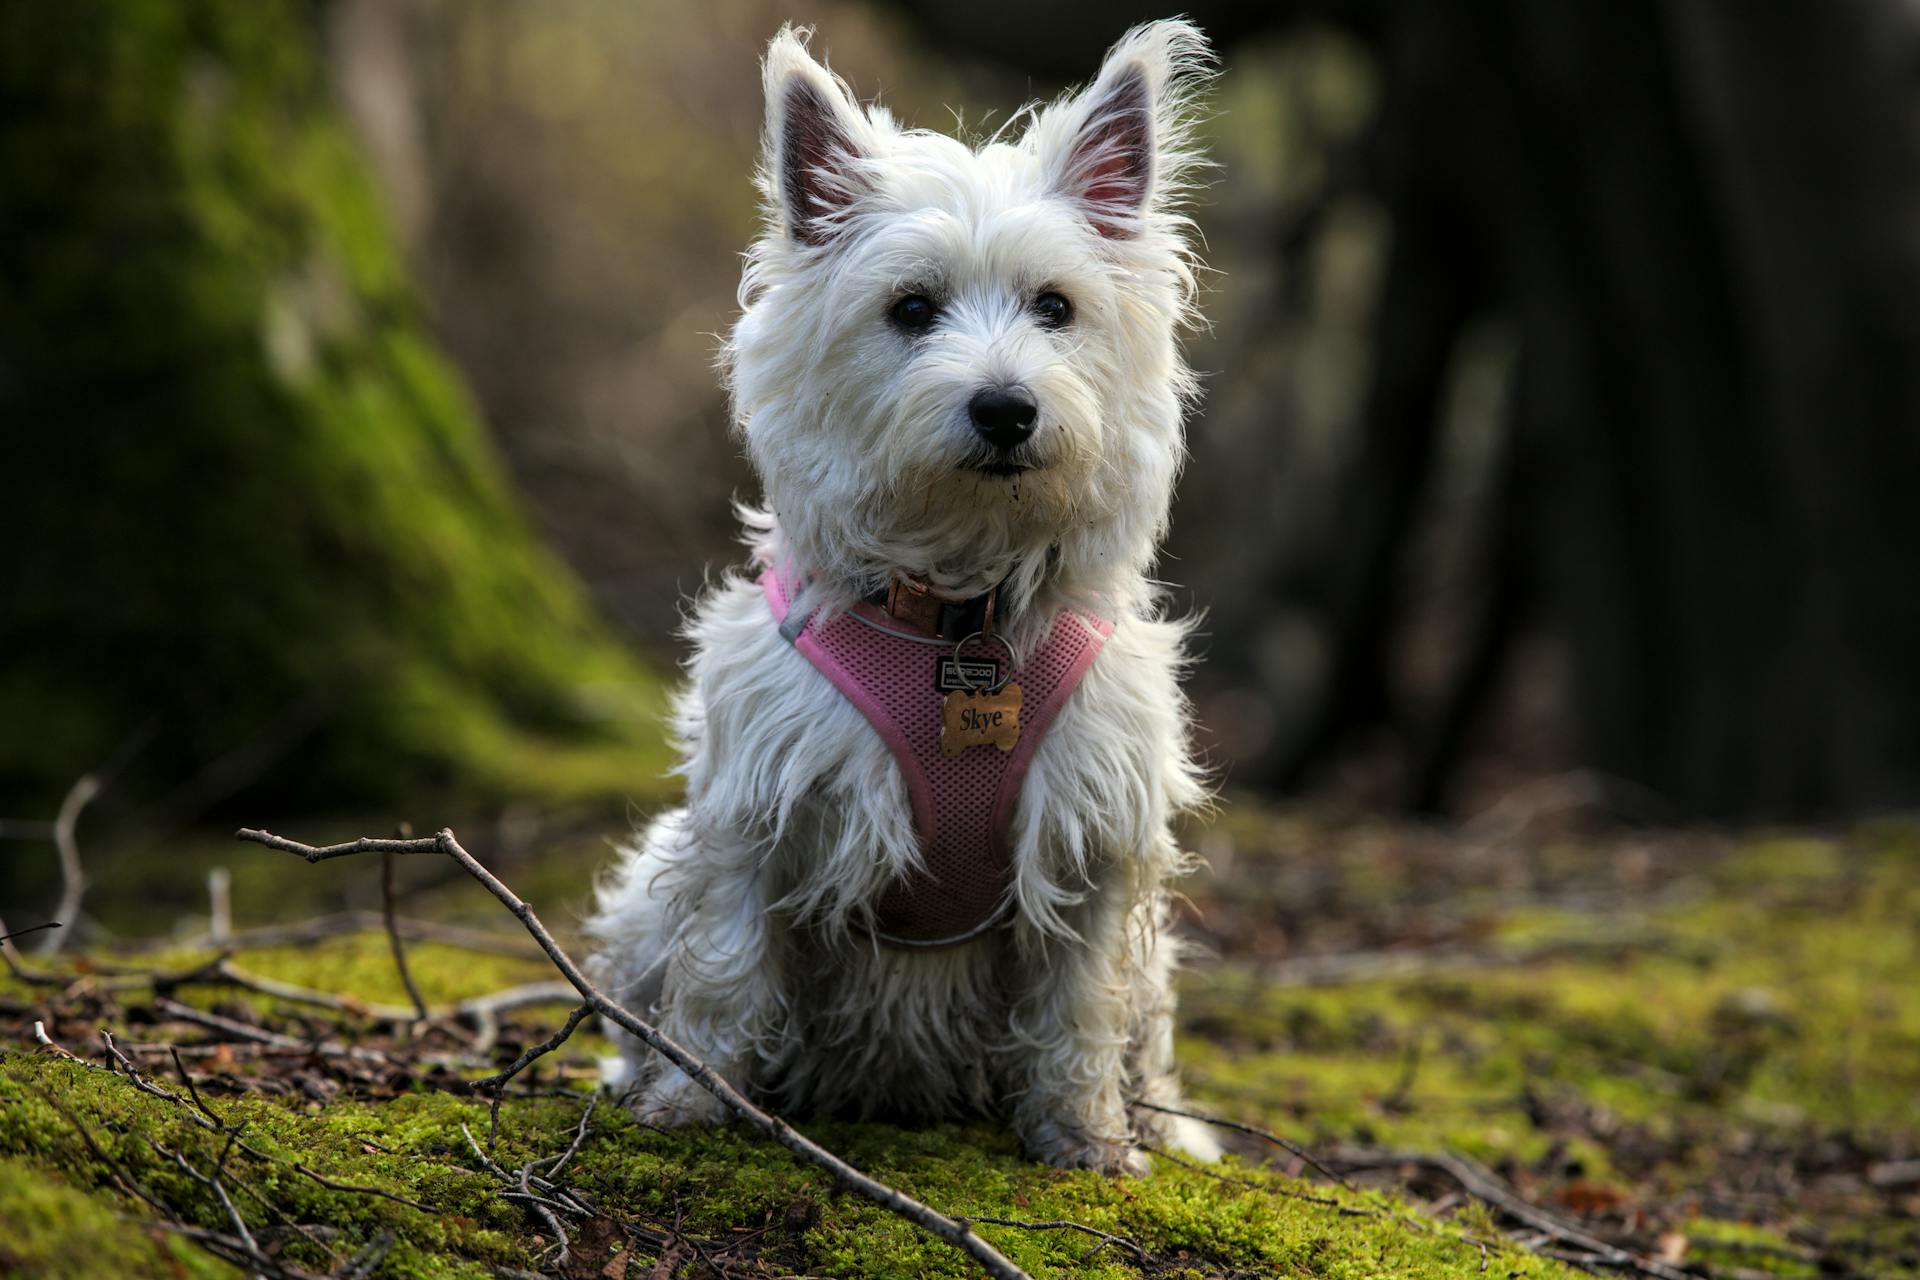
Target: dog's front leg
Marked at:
719, 1000
1071, 1031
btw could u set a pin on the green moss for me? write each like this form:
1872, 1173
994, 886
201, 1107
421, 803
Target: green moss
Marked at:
1747, 1247
1637, 1053
718, 1184
721, 1184
1784, 996
295, 550
52, 1230
420, 1135
1760, 1011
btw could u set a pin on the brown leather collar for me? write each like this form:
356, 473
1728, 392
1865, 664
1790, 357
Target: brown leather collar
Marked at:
927, 609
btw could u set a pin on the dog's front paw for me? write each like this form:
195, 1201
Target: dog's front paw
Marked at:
676, 1102
1068, 1150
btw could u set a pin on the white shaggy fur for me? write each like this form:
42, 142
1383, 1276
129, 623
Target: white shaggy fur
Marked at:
738, 921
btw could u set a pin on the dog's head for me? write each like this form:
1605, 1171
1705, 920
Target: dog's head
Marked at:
963, 360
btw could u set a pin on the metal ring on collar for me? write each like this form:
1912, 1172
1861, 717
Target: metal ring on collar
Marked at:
960, 670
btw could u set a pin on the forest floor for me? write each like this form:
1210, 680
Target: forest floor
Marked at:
1512, 1048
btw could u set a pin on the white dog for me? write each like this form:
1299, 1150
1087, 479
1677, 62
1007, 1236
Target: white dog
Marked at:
934, 741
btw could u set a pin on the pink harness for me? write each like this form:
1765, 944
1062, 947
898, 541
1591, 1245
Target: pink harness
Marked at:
962, 805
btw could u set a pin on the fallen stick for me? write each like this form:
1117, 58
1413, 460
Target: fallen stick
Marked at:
390, 917
17, 965
341, 923
1253, 1131
496, 1084
272, 1039
935, 1223
1104, 1238
483, 1011
1483, 1184
73, 873
21, 933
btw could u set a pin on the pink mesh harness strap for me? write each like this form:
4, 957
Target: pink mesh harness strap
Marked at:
962, 805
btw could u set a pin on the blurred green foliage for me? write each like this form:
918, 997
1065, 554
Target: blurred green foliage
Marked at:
251, 506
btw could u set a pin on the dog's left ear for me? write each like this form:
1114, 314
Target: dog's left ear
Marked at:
1121, 148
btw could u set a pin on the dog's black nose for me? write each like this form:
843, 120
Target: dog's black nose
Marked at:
1004, 416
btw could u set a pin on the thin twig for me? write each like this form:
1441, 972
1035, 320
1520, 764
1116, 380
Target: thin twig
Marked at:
545, 1210
343, 923
496, 1084
1063, 1224
484, 1011
444, 844
579, 1136
220, 907
1345, 1210
17, 964
214, 1183
186, 1078
1485, 1185
389, 916
331, 1185
21, 933
222, 972
133, 1074
73, 875
213, 1021
1251, 1130
481, 1010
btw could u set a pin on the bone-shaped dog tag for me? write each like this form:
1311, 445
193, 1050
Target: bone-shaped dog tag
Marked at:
969, 718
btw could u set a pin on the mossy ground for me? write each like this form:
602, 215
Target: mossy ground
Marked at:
713, 1187
1705, 1045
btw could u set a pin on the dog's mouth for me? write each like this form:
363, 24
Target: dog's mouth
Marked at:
1003, 464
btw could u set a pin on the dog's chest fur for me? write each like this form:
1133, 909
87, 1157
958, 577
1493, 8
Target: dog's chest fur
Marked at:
780, 756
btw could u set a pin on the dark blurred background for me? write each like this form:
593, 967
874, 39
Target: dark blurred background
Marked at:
360, 442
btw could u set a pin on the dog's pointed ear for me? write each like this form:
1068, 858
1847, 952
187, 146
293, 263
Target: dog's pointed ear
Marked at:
816, 141
1122, 147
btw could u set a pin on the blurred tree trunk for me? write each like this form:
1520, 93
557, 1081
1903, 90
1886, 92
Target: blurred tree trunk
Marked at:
1813, 115
1701, 221
245, 503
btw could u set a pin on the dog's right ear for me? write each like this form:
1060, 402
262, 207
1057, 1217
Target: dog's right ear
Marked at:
816, 140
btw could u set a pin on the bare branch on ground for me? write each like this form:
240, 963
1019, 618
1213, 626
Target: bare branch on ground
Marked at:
73, 875
1104, 1238
496, 1084
21, 933
341, 923
220, 907
1253, 1131
17, 964
1483, 1184
389, 916
956, 1233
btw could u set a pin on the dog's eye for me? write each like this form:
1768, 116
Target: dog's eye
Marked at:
1053, 310
913, 313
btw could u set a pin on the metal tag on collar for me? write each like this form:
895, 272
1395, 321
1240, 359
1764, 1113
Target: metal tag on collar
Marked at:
980, 716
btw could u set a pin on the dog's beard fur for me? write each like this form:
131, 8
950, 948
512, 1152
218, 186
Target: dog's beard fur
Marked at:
735, 919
